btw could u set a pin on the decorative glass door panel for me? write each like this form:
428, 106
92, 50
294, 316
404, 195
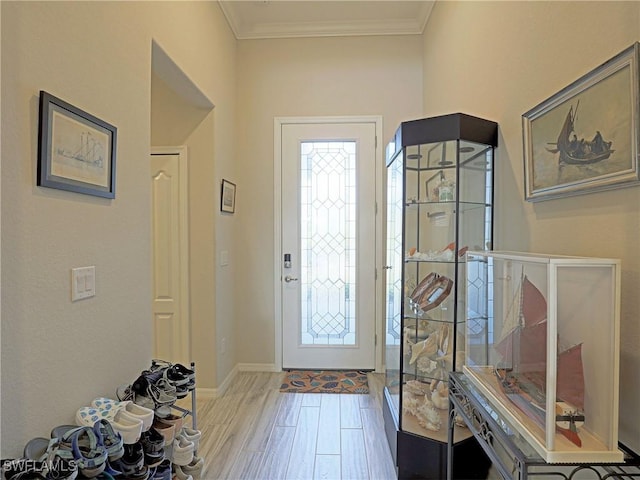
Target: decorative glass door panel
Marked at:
327, 243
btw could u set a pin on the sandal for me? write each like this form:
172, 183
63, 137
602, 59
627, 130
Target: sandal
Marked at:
54, 464
27, 469
22, 469
145, 415
110, 439
81, 443
148, 395
178, 369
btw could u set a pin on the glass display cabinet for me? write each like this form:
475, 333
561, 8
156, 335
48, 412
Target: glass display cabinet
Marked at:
547, 352
439, 204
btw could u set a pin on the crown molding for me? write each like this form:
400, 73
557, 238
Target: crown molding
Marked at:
266, 30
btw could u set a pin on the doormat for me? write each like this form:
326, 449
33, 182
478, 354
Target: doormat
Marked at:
325, 381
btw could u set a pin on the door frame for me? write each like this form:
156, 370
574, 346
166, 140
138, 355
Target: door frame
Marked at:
278, 123
183, 208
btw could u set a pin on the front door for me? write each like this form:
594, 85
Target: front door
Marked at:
328, 245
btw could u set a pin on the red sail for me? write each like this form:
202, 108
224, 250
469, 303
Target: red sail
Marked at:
534, 305
570, 386
528, 340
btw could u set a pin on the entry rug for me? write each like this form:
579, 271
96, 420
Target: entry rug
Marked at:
325, 381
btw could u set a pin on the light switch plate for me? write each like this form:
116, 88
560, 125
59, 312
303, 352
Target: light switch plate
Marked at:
224, 258
83, 283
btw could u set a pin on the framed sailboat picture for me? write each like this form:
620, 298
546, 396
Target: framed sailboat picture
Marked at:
76, 151
585, 137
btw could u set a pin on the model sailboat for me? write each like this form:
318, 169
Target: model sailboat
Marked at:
522, 374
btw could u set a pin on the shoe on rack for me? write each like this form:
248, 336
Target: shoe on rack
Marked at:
153, 446
163, 471
191, 435
175, 420
194, 468
132, 462
147, 393
48, 460
179, 473
182, 453
22, 469
110, 439
145, 415
128, 426
82, 444
167, 430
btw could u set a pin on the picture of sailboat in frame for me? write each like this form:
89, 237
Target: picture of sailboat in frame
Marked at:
585, 138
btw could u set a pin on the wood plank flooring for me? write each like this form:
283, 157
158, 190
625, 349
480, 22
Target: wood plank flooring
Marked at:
254, 432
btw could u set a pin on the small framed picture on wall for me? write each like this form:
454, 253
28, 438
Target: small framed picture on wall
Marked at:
228, 197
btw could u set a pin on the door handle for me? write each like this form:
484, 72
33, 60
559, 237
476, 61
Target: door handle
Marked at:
289, 278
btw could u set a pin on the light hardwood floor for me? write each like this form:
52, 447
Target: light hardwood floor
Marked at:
254, 432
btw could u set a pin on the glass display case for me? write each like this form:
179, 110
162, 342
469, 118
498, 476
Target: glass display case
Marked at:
439, 205
547, 351
513, 457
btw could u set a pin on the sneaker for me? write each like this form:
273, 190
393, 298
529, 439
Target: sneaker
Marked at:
182, 451
191, 435
153, 446
163, 471
194, 468
167, 430
179, 473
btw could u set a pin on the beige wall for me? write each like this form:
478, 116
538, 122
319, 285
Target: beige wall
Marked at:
58, 355
499, 59
303, 77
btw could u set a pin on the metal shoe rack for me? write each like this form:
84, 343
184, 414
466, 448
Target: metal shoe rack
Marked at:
191, 412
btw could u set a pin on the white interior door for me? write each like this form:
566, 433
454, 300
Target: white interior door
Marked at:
328, 235
170, 255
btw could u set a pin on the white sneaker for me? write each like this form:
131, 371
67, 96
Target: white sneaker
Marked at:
194, 468
179, 474
192, 435
182, 451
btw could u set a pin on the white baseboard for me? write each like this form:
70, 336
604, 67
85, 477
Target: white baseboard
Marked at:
257, 367
226, 383
210, 393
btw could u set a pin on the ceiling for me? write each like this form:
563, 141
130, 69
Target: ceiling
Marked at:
325, 18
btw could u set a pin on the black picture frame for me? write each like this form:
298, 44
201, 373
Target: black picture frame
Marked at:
76, 150
228, 197
585, 138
